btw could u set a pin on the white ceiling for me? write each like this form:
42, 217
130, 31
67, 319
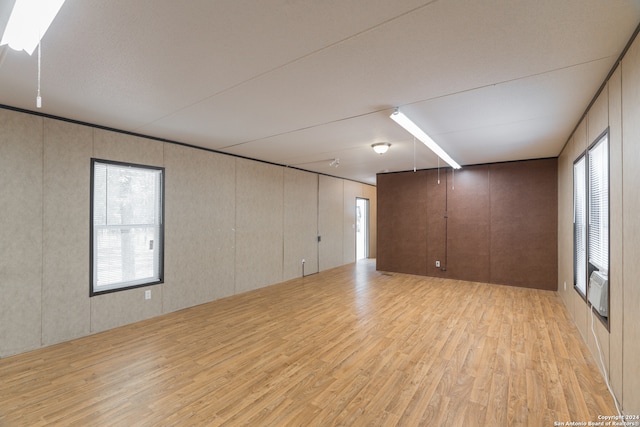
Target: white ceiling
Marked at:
301, 82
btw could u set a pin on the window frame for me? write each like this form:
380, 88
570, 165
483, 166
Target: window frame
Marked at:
589, 267
583, 158
93, 291
591, 148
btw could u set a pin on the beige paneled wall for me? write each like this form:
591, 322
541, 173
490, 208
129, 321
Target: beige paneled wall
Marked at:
598, 116
300, 223
597, 123
121, 147
66, 220
200, 227
20, 232
232, 225
565, 228
121, 308
616, 108
616, 273
259, 224
631, 228
330, 222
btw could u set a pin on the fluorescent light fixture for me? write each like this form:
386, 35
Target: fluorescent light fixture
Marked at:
380, 147
414, 130
29, 21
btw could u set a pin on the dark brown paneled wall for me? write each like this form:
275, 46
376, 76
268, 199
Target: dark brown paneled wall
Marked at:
490, 223
406, 219
524, 224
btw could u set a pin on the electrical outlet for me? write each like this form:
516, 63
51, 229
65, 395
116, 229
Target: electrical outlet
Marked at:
437, 263
147, 294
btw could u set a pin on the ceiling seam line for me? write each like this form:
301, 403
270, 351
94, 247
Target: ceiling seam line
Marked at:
286, 64
505, 81
413, 103
306, 128
512, 122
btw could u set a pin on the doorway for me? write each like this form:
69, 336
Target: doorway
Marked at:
362, 228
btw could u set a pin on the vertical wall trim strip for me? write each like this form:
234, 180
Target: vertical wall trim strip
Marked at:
42, 242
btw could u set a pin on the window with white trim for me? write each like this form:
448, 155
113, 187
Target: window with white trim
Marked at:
127, 227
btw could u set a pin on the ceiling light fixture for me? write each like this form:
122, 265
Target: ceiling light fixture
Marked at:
29, 21
414, 130
335, 163
380, 147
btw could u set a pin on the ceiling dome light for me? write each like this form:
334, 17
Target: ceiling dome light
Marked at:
381, 147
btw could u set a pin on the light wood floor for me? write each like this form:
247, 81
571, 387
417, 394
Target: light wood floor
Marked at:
350, 346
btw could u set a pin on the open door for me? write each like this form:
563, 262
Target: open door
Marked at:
362, 228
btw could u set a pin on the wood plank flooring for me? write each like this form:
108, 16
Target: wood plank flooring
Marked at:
350, 346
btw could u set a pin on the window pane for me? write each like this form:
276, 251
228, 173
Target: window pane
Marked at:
127, 256
127, 226
599, 205
580, 226
130, 195
100, 194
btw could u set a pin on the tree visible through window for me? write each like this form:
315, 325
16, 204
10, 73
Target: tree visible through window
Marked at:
127, 226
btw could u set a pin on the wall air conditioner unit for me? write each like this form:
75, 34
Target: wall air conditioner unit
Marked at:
599, 293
